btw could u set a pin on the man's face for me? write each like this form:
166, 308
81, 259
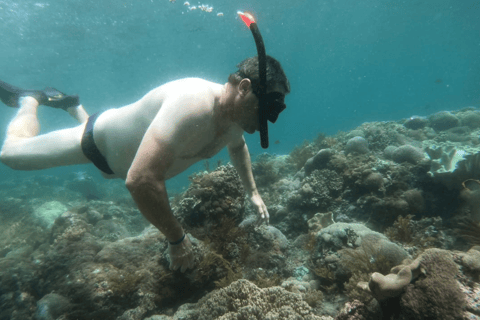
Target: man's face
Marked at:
251, 121
249, 118
275, 102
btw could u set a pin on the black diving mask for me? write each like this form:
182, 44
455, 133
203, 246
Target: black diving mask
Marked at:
270, 104
273, 105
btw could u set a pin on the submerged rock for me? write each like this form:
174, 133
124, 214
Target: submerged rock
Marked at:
319, 161
408, 154
48, 212
350, 235
443, 120
51, 306
470, 118
415, 122
388, 152
357, 145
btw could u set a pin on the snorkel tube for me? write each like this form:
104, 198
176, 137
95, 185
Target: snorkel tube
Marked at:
249, 21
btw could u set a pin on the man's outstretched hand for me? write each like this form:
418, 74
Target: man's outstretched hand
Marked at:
181, 255
261, 208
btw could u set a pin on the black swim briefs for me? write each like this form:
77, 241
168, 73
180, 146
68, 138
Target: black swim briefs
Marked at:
90, 149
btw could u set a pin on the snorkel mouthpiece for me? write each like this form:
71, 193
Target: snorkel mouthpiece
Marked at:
249, 21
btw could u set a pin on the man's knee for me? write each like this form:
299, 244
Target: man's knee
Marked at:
4, 158
9, 159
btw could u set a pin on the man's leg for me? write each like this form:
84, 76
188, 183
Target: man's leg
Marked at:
24, 150
78, 113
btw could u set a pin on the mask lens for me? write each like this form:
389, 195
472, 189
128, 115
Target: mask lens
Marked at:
274, 104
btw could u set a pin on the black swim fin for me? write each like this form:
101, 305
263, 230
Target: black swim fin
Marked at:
57, 99
10, 95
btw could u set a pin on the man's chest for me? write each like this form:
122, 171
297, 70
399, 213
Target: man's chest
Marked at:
206, 144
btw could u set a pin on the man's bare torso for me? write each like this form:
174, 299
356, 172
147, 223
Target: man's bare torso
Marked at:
189, 104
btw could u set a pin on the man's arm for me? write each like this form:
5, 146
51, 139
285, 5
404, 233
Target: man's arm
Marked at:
240, 157
146, 183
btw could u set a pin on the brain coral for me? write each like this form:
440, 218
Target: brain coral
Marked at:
407, 153
244, 300
357, 145
443, 120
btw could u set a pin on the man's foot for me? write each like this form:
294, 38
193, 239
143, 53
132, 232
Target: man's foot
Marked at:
57, 99
10, 95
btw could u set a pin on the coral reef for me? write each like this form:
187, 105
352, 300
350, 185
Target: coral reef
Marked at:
48, 212
356, 145
211, 196
443, 120
453, 163
407, 153
344, 210
318, 190
415, 122
85, 185
435, 293
269, 169
319, 161
301, 154
242, 299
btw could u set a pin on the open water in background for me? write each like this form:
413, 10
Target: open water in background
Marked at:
348, 61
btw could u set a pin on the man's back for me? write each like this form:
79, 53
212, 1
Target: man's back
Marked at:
180, 112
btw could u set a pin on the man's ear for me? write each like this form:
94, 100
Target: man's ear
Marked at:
245, 86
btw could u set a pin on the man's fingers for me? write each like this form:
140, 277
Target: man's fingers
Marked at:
184, 264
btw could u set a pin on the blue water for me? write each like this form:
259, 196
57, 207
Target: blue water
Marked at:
348, 61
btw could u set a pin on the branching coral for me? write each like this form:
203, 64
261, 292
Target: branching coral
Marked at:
225, 235
124, 283
401, 230
215, 267
301, 154
262, 280
314, 298
318, 191
265, 171
419, 234
211, 196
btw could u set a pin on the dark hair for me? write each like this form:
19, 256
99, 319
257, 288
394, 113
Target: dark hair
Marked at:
248, 68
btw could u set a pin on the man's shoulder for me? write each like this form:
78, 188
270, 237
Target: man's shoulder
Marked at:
187, 100
191, 95
191, 85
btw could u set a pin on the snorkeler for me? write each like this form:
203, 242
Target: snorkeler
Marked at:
155, 138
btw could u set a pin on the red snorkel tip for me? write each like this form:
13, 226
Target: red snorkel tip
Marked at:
247, 18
